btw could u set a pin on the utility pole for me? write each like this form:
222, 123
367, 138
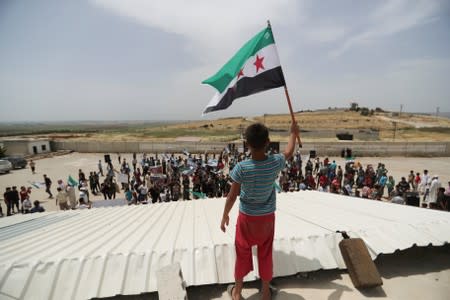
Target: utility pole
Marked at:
437, 111
241, 130
401, 109
395, 130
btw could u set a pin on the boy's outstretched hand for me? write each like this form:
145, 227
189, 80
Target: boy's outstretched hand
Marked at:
225, 221
295, 131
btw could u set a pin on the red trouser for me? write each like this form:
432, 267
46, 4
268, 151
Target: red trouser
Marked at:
254, 230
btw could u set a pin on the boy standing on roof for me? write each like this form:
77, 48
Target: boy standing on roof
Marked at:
253, 180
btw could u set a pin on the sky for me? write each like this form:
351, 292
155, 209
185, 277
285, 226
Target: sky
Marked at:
64, 60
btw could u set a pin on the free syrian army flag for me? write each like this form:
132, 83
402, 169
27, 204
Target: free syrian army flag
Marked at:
253, 69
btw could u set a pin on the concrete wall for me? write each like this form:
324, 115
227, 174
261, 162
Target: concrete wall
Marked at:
25, 147
358, 134
16, 147
428, 149
322, 148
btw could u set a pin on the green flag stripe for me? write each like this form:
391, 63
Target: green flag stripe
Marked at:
222, 78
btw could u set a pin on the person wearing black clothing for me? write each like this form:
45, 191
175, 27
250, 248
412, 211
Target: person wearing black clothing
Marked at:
37, 207
92, 184
81, 176
48, 184
186, 184
7, 197
14, 200
403, 186
154, 194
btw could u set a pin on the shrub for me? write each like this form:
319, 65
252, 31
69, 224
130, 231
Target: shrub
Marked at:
365, 111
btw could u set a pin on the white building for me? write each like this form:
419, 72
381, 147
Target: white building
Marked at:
25, 146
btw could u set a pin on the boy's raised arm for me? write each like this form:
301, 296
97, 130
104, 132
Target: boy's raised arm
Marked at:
291, 143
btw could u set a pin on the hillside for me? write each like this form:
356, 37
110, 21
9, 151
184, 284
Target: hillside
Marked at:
320, 125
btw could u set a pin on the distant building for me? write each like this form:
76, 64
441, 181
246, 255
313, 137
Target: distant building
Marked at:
23, 146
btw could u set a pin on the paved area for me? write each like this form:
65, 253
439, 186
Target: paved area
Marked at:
60, 167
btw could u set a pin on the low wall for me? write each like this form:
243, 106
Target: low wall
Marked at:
441, 149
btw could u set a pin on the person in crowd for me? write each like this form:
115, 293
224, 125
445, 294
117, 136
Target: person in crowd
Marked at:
48, 185
26, 205
15, 198
33, 167
61, 184
403, 187
24, 194
382, 180
61, 199
83, 204
441, 200
71, 194
390, 186
447, 190
100, 167
434, 188
411, 181
84, 193
81, 176
129, 196
37, 207
7, 198
417, 179
425, 183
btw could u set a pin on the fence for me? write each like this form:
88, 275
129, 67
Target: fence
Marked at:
427, 149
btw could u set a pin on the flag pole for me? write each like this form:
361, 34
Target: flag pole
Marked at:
288, 99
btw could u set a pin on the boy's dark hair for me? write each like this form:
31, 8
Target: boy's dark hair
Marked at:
257, 136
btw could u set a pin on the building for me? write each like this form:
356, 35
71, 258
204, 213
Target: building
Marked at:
24, 146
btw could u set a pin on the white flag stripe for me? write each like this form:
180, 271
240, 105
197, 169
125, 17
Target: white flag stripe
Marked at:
271, 61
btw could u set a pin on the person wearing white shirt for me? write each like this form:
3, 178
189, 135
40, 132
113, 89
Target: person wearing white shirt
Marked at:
26, 204
434, 187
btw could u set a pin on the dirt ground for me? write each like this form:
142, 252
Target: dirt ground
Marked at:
60, 167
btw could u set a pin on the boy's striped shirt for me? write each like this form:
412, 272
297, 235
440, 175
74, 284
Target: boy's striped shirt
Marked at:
257, 179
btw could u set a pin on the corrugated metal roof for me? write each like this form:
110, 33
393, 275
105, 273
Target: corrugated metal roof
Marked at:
108, 251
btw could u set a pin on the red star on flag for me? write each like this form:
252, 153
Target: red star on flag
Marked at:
241, 73
259, 63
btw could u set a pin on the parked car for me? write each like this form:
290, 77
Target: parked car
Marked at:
5, 166
16, 161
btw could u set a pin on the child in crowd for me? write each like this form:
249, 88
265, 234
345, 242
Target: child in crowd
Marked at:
253, 180
83, 204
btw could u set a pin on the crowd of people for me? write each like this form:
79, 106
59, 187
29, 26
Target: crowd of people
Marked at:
366, 182
163, 178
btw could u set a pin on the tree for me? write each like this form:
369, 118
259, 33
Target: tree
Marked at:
365, 111
354, 106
